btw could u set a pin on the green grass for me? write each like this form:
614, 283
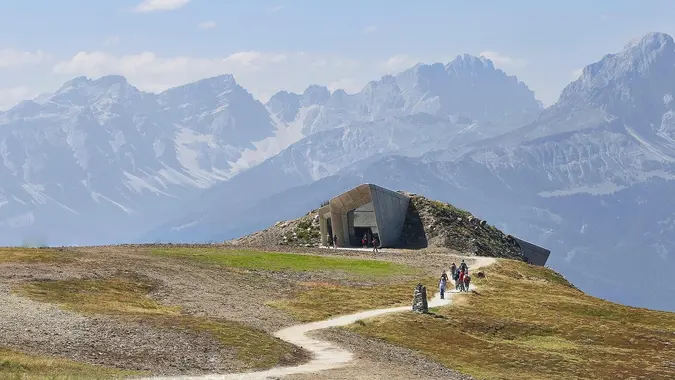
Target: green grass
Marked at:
528, 323
321, 301
128, 297
34, 255
18, 366
272, 261
448, 208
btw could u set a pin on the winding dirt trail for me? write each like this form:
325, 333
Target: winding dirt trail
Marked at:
326, 355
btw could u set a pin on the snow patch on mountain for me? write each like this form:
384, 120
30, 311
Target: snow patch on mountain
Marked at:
599, 189
97, 197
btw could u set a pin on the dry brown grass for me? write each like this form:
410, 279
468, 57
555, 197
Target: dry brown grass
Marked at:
128, 297
35, 255
528, 323
19, 366
323, 300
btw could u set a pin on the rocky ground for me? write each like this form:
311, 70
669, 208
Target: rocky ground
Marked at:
433, 224
44, 329
301, 232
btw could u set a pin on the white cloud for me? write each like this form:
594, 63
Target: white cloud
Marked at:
275, 9
350, 85
262, 73
503, 60
398, 63
13, 95
111, 41
207, 25
371, 29
11, 58
160, 5
577, 73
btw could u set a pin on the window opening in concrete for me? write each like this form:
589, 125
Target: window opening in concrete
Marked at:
362, 224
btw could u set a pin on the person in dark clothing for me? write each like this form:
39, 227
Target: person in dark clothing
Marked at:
453, 269
463, 266
467, 281
376, 245
335, 241
456, 278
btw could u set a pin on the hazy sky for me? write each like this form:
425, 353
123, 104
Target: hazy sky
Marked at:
287, 44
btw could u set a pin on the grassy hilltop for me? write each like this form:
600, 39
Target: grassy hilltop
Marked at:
428, 224
110, 312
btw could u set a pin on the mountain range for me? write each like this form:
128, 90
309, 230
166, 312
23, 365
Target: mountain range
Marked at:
590, 177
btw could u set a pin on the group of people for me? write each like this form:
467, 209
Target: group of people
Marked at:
366, 239
460, 275
333, 242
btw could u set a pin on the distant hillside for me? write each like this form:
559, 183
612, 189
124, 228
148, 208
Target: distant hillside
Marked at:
428, 224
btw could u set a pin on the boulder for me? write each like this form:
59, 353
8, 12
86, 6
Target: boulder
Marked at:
420, 304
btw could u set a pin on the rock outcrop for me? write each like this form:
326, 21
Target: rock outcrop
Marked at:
420, 304
302, 232
434, 224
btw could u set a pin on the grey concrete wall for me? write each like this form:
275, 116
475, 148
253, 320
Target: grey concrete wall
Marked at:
533, 253
390, 211
386, 219
324, 214
364, 216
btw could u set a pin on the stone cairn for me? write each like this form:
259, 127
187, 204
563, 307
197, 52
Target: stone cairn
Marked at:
420, 299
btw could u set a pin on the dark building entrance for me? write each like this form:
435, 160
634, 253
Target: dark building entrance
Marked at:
359, 233
329, 227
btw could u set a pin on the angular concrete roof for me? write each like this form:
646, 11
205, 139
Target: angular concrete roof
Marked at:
352, 199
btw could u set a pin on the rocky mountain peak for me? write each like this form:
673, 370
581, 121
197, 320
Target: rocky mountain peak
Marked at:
644, 70
82, 90
111, 80
315, 95
284, 105
471, 62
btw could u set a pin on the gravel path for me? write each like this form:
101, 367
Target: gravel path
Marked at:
326, 355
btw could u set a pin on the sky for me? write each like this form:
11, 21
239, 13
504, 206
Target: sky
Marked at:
287, 45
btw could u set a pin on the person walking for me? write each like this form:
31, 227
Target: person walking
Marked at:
467, 281
461, 281
364, 241
335, 241
463, 266
376, 245
453, 269
456, 278
443, 283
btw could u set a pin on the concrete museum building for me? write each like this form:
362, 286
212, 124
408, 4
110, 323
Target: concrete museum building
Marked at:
372, 211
